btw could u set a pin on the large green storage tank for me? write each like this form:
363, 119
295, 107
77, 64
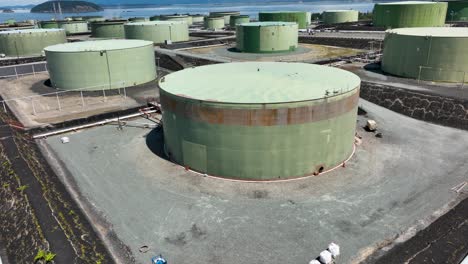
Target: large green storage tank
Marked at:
435, 54
108, 29
29, 42
74, 27
185, 18
301, 18
214, 23
91, 19
330, 17
155, 18
138, 19
266, 37
197, 18
409, 14
158, 31
234, 20
101, 64
225, 14
10, 21
259, 120
48, 24
457, 11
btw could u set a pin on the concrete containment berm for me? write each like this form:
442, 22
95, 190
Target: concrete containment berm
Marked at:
259, 120
409, 14
266, 37
29, 42
434, 54
101, 64
158, 31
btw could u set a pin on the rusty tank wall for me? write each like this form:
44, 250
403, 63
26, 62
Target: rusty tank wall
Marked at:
250, 139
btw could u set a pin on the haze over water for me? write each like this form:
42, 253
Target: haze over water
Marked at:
247, 9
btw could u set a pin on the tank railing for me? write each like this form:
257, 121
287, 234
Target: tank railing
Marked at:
59, 97
22, 70
463, 74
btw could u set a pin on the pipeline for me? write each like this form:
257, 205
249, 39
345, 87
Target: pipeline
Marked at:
141, 112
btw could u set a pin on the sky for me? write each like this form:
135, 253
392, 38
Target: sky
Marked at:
19, 2
34, 2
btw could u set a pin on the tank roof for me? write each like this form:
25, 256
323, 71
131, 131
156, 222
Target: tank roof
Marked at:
71, 21
159, 22
98, 45
29, 31
408, 3
432, 31
111, 22
258, 82
267, 24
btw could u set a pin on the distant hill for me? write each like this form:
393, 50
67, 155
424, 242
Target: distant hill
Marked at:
67, 7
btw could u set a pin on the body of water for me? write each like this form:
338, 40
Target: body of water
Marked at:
247, 9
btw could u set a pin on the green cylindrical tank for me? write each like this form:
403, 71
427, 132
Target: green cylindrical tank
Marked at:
409, 14
339, 16
101, 64
457, 11
266, 37
158, 31
74, 27
10, 21
138, 19
48, 24
29, 42
226, 14
301, 18
91, 19
234, 20
155, 18
184, 18
108, 29
214, 23
435, 54
197, 18
259, 120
